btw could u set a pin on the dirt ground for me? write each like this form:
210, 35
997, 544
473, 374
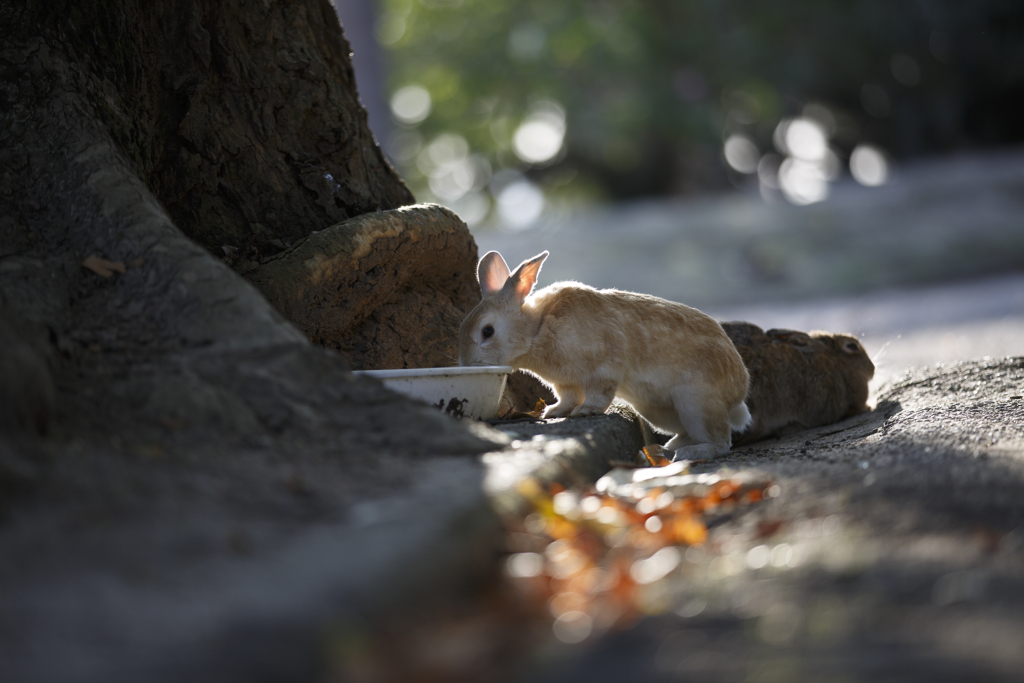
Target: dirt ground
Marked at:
896, 546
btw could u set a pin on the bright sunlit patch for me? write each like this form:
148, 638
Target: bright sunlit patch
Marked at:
520, 204
741, 154
565, 501
446, 162
448, 148
411, 104
802, 182
655, 567
524, 565
590, 505
653, 524
758, 556
805, 139
780, 554
539, 138
608, 515
868, 166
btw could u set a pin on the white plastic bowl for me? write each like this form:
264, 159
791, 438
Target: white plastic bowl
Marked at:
473, 392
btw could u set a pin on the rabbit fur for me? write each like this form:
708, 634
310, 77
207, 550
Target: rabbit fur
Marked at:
674, 364
800, 380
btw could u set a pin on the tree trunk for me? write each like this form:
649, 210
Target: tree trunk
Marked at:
142, 133
136, 141
242, 117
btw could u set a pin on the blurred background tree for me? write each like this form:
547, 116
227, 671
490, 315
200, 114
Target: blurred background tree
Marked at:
513, 103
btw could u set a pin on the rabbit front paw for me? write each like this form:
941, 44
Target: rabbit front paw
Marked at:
560, 409
585, 410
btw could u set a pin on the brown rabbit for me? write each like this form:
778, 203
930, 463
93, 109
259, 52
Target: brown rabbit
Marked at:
674, 364
800, 380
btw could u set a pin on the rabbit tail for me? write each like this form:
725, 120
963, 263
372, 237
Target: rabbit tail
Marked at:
739, 417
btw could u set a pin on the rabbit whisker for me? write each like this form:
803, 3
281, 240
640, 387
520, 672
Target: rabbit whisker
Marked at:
881, 352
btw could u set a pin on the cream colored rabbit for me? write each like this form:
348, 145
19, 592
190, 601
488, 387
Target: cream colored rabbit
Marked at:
674, 364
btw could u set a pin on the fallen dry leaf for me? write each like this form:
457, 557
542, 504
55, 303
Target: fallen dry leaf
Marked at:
655, 455
103, 267
512, 414
587, 554
538, 409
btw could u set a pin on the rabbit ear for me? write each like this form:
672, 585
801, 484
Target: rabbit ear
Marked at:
801, 341
492, 272
522, 281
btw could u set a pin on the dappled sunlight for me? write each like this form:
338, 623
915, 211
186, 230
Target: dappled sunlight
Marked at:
520, 204
868, 166
803, 182
526, 41
411, 104
805, 161
600, 556
603, 102
539, 138
803, 139
741, 154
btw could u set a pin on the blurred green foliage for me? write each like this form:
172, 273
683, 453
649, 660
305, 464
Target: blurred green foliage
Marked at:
650, 88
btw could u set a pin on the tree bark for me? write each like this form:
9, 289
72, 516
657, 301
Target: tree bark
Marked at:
149, 135
180, 408
145, 135
243, 117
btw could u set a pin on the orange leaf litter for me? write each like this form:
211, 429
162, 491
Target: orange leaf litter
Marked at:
592, 555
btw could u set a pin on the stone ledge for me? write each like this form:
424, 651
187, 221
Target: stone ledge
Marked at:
565, 450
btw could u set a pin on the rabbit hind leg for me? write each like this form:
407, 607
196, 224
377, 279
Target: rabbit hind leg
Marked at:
707, 426
665, 419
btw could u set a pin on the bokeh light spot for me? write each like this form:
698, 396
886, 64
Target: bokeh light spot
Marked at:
526, 42
802, 182
411, 104
472, 207
869, 166
520, 204
805, 139
741, 154
572, 627
539, 138
524, 565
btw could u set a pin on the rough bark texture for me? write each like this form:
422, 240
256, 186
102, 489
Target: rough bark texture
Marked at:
242, 116
176, 342
386, 289
193, 428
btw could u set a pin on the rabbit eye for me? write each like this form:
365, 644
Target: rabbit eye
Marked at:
487, 332
851, 347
